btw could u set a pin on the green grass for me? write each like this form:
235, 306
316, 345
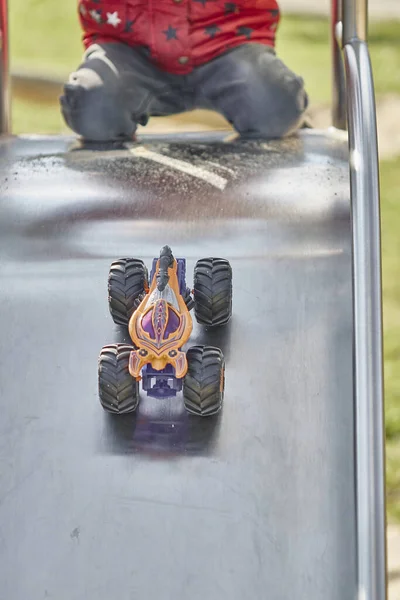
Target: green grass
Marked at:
51, 44
304, 43
391, 298
28, 117
44, 35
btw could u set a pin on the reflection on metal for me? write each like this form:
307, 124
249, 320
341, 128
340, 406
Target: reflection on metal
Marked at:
355, 17
368, 376
4, 70
338, 75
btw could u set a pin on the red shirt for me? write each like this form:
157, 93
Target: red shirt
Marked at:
181, 34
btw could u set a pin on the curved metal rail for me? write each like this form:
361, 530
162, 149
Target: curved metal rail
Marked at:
349, 25
367, 335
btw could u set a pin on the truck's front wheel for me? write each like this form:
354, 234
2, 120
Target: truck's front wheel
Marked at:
213, 291
127, 282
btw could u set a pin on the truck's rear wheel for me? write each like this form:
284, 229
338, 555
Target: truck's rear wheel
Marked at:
213, 291
127, 282
204, 383
118, 391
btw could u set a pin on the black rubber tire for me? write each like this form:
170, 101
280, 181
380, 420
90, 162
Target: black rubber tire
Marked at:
188, 300
204, 383
212, 291
127, 280
118, 391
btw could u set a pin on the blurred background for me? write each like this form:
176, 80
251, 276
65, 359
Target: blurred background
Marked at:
45, 45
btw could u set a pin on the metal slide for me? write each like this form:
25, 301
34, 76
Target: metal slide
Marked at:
282, 495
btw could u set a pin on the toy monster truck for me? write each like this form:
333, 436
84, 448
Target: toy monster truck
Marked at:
157, 314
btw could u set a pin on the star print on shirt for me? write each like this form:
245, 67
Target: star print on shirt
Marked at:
82, 10
203, 2
230, 8
171, 33
246, 31
113, 19
274, 12
96, 15
212, 30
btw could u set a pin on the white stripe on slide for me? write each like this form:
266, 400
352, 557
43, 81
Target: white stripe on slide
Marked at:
185, 167
231, 171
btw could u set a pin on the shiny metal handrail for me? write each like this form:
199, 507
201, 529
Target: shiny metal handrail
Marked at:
5, 117
349, 30
355, 20
367, 314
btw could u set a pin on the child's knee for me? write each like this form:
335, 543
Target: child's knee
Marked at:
271, 99
273, 112
284, 111
91, 111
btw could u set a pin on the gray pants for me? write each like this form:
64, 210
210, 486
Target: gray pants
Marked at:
117, 87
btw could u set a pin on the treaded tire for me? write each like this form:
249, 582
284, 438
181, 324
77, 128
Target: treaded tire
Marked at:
212, 291
127, 280
118, 391
204, 383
